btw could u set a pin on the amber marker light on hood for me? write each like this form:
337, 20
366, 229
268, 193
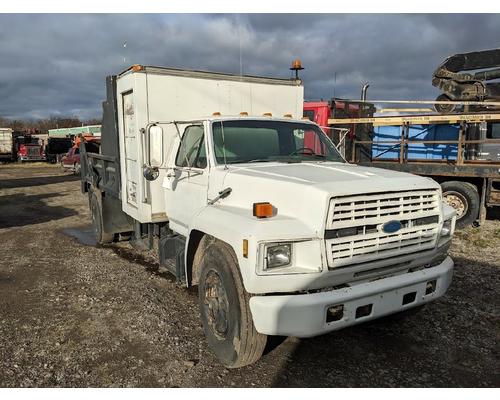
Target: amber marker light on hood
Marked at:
262, 210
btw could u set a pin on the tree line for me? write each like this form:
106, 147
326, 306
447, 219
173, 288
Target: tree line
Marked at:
43, 125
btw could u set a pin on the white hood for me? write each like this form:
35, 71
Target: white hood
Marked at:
303, 190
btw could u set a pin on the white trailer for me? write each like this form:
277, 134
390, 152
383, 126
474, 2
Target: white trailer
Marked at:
243, 198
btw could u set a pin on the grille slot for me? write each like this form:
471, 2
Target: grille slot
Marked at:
355, 234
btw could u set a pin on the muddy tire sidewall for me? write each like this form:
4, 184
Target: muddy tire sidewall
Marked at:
217, 261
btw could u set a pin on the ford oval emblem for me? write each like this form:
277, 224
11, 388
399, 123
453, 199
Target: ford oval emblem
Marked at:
392, 226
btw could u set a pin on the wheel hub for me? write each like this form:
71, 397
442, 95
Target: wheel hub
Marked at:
216, 305
457, 201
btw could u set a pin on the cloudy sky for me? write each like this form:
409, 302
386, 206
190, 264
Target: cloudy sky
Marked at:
56, 64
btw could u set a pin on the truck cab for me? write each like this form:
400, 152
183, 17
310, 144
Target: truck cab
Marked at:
256, 207
29, 149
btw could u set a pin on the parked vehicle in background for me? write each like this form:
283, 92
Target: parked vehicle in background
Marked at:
56, 148
243, 198
459, 151
71, 161
6, 144
28, 147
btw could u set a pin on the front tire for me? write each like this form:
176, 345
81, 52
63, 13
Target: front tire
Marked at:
224, 307
464, 198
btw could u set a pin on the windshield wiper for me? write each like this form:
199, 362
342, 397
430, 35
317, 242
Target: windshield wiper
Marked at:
259, 160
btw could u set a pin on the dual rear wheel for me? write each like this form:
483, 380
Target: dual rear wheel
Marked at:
95, 206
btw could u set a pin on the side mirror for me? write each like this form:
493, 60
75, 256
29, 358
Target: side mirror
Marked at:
150, 173
155, 146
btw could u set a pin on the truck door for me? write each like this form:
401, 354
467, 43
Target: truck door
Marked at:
186, 181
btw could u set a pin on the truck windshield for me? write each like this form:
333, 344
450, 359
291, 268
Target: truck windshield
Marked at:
243, 141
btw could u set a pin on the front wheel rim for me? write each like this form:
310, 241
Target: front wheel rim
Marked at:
457, 201
216, 305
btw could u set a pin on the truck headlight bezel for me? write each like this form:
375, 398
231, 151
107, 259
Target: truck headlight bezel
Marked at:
448, 227
299, 256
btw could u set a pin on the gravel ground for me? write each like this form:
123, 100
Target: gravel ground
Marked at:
76, 315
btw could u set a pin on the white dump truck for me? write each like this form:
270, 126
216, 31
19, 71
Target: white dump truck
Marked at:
242, 197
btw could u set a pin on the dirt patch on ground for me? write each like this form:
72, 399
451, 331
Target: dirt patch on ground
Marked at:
73, 314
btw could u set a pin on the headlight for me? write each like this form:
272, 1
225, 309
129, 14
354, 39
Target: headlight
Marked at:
279, 255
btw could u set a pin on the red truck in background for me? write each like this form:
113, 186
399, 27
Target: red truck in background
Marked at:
341, 135
27, 147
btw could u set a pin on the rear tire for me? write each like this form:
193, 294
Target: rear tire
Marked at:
101, 236
464, 198
224, 307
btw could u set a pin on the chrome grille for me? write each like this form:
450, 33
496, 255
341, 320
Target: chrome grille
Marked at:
33, 151
354, 230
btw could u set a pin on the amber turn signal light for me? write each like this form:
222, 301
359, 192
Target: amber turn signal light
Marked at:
245, 248
262, 210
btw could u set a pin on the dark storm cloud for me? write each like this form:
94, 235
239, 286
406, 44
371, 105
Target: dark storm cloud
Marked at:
56, 64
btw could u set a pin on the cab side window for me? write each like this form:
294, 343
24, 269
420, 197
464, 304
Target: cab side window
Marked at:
192, 152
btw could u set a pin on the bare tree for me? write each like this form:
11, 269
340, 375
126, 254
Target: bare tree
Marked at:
43, 125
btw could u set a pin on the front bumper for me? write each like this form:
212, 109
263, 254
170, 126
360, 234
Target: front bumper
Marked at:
304, 315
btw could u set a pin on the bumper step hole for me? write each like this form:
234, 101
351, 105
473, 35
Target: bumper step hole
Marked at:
364, 311
430, 287
409, 298
335, 313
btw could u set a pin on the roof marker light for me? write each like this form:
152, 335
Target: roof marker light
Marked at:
267, 114
216, 114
